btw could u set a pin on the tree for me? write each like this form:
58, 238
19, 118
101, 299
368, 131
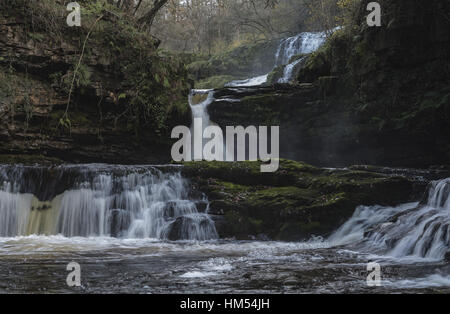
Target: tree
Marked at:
145, 10
148, 18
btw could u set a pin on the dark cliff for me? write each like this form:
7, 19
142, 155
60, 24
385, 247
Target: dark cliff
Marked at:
372, 95
125, 95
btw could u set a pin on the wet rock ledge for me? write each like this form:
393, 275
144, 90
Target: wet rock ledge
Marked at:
295, 202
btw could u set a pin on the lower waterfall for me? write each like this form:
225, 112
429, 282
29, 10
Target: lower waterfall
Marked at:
114, 220
101, 200
415, 230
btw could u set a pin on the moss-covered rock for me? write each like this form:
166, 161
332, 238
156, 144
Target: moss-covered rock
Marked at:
275, 74
293, 203
213, 82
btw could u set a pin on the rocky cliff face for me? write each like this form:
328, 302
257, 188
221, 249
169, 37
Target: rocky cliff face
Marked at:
125, 96
370, 95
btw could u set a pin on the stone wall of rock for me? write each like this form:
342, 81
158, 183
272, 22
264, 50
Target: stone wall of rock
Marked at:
36, 69
377, 95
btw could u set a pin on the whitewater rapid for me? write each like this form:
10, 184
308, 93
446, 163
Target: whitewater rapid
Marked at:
101, 200
52, 216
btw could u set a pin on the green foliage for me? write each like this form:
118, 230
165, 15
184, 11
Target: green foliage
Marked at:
65, 122
152, 85
348, 12
155, 91
275, 74
82, 77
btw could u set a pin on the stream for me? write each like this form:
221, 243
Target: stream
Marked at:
141, 229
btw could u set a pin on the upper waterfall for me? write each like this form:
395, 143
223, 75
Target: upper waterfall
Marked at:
302, 43
101, 200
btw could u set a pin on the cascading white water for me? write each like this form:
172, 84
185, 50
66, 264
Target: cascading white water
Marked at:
254, 81
200, 111
410, 230
125, 202
288, 70
300, 44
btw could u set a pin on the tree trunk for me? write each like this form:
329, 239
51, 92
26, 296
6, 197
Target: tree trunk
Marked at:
148, 18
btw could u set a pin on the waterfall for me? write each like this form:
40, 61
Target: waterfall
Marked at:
253, 81
200, 112
410, 230
102, 200
302, 43
288, 71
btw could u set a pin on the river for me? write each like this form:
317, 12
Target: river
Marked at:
135, 254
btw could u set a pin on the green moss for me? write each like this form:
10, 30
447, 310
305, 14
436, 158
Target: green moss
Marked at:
275, 74
330, 199
282, 198
198, 98
296, 201
330, 59
213, 82
236, 225
198, 67
232, 186
77, 118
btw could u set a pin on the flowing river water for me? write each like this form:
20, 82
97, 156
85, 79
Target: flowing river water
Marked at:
142, 229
